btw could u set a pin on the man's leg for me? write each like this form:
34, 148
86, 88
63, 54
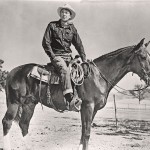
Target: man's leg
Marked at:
63, 70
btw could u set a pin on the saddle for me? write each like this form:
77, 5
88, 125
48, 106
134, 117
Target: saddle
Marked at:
49, 75
45, 74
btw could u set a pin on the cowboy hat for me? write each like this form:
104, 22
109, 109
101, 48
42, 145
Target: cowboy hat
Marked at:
68, 7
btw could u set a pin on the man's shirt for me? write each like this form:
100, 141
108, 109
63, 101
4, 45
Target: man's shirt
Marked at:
58, 39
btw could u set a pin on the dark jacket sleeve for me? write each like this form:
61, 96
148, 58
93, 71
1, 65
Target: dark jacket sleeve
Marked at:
46, 43
76, 41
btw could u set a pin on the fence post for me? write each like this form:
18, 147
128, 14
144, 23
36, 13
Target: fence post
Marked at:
115, 112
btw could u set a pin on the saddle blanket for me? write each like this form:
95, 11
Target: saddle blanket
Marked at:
52, 78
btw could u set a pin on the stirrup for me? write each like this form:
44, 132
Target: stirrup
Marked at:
75, 104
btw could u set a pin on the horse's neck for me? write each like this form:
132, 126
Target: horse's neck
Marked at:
113, 68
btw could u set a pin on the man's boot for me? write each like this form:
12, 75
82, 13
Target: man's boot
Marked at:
74, 102
69, 97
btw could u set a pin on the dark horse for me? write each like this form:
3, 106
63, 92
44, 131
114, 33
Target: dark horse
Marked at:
105, 72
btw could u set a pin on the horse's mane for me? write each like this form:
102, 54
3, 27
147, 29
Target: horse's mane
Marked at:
116, 52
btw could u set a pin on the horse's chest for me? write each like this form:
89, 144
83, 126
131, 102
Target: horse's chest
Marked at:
92, 89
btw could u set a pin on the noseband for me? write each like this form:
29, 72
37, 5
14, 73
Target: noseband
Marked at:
145, 74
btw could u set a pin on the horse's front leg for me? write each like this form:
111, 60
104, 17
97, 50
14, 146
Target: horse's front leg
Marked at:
86, 118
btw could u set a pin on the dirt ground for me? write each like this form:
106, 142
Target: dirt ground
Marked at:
50, 130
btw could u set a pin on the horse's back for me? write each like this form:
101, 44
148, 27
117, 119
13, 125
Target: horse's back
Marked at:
16, 80
18, 74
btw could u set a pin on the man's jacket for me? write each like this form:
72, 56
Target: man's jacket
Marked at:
58, 39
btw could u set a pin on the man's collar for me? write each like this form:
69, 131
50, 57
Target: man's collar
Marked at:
63, 25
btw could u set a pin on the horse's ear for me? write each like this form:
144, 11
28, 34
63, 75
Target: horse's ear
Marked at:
146, 44
137, 47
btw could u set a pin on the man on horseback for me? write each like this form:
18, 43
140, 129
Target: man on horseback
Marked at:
58, 37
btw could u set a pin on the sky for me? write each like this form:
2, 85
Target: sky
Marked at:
103, 26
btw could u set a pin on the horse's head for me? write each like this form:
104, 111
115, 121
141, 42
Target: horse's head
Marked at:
140, 61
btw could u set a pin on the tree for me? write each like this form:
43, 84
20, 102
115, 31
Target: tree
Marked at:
3, 76
138, 92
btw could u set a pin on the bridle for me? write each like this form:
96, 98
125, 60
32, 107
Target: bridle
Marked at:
144, 72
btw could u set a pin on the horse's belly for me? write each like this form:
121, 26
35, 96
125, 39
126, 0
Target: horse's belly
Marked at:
53, 96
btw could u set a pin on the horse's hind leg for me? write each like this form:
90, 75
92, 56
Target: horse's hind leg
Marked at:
27, 113
7, 122
26, 116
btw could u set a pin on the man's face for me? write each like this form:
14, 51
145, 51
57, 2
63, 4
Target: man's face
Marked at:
65, 15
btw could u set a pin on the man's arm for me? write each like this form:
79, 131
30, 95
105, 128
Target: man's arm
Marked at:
76, 41
46, 43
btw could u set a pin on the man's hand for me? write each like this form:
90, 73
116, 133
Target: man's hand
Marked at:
85, 67
84, 59
57, 59
52, 56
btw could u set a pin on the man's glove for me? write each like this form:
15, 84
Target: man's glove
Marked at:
84, 59
51, 55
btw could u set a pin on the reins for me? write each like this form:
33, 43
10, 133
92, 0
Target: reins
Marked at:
104, 77
140, 89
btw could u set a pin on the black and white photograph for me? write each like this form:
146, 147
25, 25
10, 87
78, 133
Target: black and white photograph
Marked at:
74, 75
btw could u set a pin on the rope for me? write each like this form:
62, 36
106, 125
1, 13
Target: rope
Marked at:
140, 89
77, 74
40, 90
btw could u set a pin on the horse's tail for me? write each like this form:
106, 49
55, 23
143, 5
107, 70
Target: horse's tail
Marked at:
9, 92
15, 84
12, 94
